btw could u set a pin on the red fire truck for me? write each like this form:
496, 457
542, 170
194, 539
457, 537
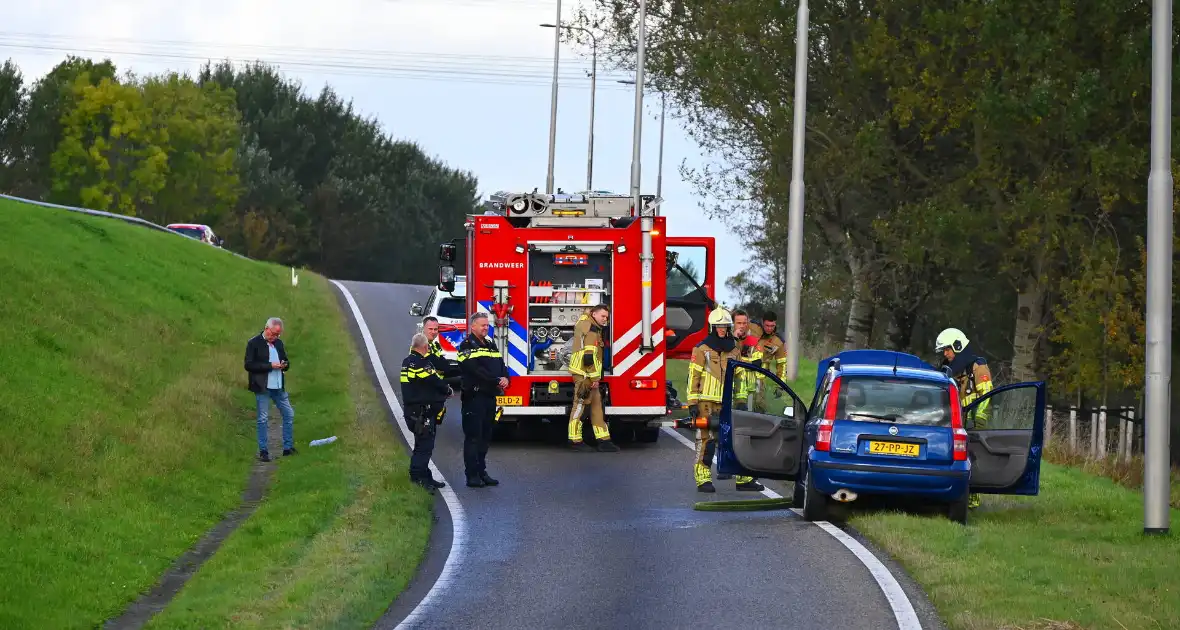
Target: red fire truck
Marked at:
536, 262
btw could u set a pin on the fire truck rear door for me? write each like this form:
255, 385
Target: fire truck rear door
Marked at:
689, 296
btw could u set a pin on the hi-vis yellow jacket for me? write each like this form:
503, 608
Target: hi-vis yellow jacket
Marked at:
975, 381
586, 359
772, 351
707, 371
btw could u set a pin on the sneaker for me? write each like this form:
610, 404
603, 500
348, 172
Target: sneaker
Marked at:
475, 482
606, 446
750, 486
487, 479
580, 447
706, 487
263, 456
289, 451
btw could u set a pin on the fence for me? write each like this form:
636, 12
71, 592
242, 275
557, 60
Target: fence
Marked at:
1096, 432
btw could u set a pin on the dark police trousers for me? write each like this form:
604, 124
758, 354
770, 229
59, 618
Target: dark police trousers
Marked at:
479, 417
423, 421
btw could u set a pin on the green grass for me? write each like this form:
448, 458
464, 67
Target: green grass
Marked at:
129, 432
1073, 557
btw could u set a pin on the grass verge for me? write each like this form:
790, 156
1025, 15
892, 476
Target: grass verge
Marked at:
1073, 557
129, 433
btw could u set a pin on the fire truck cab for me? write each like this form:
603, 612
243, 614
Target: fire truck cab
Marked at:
536, 263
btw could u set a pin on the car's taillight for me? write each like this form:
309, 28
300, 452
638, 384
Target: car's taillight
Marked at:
960, 434
823, 437
644, 383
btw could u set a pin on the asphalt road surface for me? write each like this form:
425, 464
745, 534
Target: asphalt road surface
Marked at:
610, 540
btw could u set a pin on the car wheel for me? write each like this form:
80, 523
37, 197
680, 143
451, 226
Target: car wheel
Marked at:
815, 504
957, 510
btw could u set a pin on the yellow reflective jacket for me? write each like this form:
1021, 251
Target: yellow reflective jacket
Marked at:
773, 353
744, 380
586, 359
706, 372
974, 382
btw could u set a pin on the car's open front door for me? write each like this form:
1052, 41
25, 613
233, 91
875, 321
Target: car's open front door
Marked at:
689, 295
767, 443
1005, 433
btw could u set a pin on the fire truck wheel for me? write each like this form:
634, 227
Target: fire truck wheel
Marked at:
647, 435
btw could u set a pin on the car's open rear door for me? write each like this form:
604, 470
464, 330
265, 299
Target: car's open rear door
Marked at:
689, 293
768, 443
1005, 433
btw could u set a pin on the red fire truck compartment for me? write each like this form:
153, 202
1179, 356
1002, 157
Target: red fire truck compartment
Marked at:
547, 277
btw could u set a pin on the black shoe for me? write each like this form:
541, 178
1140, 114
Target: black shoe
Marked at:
437, 484
487, 479
580, 447
289, 451
263, 456
706, 487
475, 482
425, 484
606, 446
751, 486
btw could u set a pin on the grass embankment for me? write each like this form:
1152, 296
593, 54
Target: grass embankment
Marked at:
129, 433
803, 385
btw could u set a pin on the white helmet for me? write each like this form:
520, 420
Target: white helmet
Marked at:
952, 338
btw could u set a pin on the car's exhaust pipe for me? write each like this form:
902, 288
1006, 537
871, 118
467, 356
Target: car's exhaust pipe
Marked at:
844, 495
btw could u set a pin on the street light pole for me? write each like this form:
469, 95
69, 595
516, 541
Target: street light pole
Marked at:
646, 217
553, 105
795, 211
593, 90
1157, 384
660, 163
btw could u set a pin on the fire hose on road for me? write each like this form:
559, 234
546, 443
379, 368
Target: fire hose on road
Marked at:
741, 505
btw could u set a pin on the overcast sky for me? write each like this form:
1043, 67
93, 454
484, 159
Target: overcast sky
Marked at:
469, 80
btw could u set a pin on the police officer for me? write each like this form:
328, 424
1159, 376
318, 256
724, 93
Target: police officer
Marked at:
449, 371
586, 367
705, 384
425, 395
484, 376
972, 375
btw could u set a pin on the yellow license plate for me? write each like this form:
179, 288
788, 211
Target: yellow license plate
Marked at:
893, 448
510, 401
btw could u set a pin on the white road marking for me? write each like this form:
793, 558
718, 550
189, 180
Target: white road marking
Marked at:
899, 602
458, 515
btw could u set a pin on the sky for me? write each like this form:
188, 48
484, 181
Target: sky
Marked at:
468, 80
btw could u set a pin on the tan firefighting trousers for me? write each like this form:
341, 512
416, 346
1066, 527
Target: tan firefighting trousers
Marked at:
707, 447
584, 396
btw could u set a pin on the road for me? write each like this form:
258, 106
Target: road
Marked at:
610, 540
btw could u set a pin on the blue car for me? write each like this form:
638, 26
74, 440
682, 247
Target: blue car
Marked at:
886, 423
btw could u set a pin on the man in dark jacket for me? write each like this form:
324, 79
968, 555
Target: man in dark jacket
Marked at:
266, 362
484, 377
425, 395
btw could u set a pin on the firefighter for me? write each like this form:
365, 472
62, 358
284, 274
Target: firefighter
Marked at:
484, 377
425, 396
772, 352
743, 380
586, 367
705, 381
972, 375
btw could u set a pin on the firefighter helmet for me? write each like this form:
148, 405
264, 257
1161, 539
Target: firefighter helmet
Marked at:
952, 338
720, 317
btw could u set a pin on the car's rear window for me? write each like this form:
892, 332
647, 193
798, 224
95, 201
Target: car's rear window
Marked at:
902, 401
190, 232
453, 308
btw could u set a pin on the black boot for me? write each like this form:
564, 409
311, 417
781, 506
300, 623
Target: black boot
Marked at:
487, 479
606, 446
580, 447
750, 486
287, 452
263, 456
475, 482
437, 484
425, 484
706, 487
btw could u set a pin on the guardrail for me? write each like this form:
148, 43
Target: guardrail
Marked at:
109, 215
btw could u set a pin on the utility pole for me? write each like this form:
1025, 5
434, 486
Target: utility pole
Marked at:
553, 105
646, 218
660, 163
1158, 381
795, 211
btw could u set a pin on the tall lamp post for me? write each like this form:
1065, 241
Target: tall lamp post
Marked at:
1157, 384
593, 84
553, 106
660, 162
795, 211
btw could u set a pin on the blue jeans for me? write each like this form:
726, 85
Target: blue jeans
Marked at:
285, 409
